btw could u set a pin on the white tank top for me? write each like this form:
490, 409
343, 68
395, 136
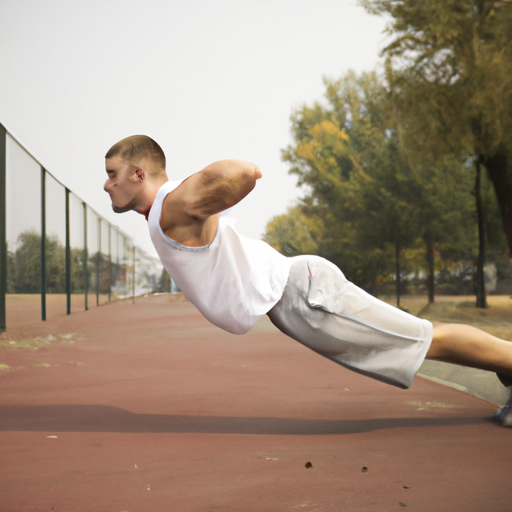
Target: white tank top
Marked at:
233, 281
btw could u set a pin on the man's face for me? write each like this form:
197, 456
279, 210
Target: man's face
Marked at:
122, 184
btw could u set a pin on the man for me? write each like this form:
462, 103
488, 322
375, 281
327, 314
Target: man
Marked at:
234, 280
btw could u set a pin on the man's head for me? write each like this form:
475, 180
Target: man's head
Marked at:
136, 168
135, 148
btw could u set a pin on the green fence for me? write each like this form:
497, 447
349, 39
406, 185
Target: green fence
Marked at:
57, 255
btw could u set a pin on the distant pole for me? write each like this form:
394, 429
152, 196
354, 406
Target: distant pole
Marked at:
98, 264
68, 256
431, 269
481, 299
43, 244
3, 230
397, 271
109, 262
86, 261
133, 275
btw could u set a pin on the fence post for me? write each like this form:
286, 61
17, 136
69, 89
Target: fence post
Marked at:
86, 261
3, 230
68, 256
43, 243
98, 264
133, 275
109, 262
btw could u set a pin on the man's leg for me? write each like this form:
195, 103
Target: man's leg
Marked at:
469, 346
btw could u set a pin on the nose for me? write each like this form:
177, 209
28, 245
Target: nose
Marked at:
106, 187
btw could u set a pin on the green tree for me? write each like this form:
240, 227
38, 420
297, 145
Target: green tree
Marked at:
375, 195
24, 265
337, 150
26, 269
294, 233
450, 64
11, 282
77, 269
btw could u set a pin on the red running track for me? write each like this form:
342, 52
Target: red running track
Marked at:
147, 407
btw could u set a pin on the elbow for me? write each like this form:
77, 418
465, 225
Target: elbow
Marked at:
252, 174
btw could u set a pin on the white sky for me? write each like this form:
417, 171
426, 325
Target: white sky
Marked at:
206, 79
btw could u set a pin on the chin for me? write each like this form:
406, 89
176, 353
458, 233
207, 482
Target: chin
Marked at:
120, 209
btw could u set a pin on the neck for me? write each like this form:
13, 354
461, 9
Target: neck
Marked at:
145, 207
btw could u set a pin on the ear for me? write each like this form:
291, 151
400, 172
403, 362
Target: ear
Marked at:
139, 175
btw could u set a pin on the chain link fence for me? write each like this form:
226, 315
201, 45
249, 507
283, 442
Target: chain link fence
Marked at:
57, 255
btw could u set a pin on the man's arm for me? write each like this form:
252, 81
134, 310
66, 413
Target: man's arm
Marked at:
190, 212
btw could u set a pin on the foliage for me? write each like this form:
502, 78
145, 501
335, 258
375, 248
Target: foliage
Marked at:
387, 164
375, 190
369, 192
294, 233
450, 68
24, 267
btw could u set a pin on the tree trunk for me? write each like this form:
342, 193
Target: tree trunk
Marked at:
430, 262
481, 300
397, 259
500, 173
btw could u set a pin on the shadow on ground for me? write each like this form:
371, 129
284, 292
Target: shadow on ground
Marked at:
101, 418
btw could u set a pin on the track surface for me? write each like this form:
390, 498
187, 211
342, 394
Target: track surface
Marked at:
147, 407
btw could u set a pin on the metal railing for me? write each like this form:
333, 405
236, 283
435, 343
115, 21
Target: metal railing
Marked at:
54, 245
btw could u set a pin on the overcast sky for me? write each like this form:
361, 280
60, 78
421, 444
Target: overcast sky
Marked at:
207, 79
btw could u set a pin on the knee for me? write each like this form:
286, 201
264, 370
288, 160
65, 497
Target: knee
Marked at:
441, 334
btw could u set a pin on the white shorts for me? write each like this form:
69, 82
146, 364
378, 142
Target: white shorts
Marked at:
335, 318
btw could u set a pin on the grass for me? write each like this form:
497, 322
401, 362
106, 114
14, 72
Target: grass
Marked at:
25, 344
495, 319
36, 343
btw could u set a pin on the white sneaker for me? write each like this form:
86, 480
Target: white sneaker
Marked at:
503, 415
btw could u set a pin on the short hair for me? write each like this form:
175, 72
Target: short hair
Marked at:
138, 146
